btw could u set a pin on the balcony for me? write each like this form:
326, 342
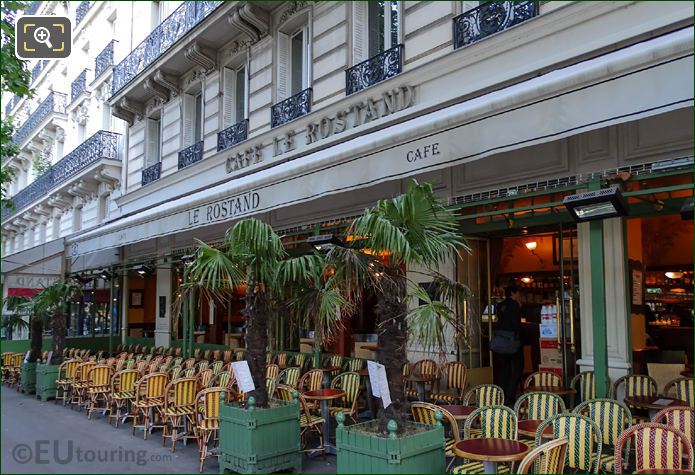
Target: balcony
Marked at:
11, 103
54, 103
32, 8
151, 173
78, 86
81, 11
232, 135
103, 144
490, 18
379, 68
291, 108
190, 155
37, 69
104, 60
172, 29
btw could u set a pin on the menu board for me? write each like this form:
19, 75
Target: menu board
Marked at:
379, 382
242, 373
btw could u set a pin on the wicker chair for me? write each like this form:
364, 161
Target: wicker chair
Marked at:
484, 395
657, 446
78, 393
98, 388
280, 359
680, 417
308, 422
456, 375
350, 383
546, 459
149, 401
208, 420
272, 371
179, 410
543, 379
424, 413
683, 389
423, 368
635, 385
122, 394
612, 417
584, 385
538, 406
585, 440
66, 376
289, 376
497, 422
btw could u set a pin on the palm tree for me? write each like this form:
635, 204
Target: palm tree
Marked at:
52, 302
413, 231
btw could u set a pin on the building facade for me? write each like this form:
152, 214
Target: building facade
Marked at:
304, 113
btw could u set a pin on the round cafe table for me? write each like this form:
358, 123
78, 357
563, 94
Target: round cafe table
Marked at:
491, 451
324, 396
420, 384
528, 427
459, 411
647, 403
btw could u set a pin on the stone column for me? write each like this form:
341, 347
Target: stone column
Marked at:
162, 332
617, 317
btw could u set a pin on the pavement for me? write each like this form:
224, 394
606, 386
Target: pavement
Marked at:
44, 437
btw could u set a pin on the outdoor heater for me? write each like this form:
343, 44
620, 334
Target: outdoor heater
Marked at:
599, 204
324, 242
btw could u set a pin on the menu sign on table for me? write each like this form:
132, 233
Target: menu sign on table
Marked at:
379, 382
242, 373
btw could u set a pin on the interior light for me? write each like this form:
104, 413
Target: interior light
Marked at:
531, 245
324, 242
527, 280
674, 275
599, 204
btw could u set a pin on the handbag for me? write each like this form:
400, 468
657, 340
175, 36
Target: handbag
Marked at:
505, 342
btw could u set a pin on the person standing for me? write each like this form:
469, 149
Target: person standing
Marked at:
506, 343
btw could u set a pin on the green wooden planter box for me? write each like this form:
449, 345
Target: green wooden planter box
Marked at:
46, 376
28, 383
257, 440
362, 452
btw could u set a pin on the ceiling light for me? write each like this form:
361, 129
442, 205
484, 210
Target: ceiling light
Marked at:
527, 280
324, 242
674, 275
531, 245
599, 204
105, 274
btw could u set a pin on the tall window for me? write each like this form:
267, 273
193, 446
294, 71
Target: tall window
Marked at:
234, 97
240, 94
198, 118
293, 61
383, 24
192, 118
298, 60
153, 137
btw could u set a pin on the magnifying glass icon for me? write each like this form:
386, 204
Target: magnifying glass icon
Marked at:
42, 35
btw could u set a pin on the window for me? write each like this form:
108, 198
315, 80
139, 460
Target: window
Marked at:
376, 28
103, 212
192, 118
467, 6
153, 134
198, 118
234, 97
105, 116
293, 64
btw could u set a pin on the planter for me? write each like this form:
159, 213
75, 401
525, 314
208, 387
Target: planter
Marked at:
254, 440
28, 382
46, 376
362, 452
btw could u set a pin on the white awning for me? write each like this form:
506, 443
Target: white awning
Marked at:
650, 78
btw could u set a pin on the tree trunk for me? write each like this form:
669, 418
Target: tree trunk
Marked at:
257, 313
36, 338
391, 309
59, 332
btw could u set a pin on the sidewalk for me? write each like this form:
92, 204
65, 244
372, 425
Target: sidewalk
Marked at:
43, 437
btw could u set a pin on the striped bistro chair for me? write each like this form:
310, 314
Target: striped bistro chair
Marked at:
149, 401
299, 361
538, 406
585, 442
635, 385
98, 388
189, 363
78, 392
272, 371
217, 366
545, 459
216, 354
178, 361
239, 354
543, 378
202, 366
683, 389
350, 383
207, 355
197, 354
612, 418
179, 411
175, 372
680, 417
270, 385
189, 373
423, 368
456, 376
122, 394
280, 359
354, 364
497, 422
66, 375
307, 421
484, 395
424, 413
584, 385
204, 378
656, 446
311, 380
333, 361
289, 376
227, 356
223, 380
208, 420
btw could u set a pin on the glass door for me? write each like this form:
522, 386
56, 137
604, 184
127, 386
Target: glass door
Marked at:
567, 300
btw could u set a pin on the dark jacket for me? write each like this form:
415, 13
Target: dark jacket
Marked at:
509, 316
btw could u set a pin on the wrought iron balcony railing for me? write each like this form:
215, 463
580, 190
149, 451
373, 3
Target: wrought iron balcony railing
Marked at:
490, 18
151, 173
232, 135
190, 155
379, 68
37, 69
81, 11
104, 60
54, 103
78, 86
173, 28
11, 103
291, 108
103, 144
32, 8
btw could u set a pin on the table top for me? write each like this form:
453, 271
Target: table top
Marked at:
459, 411
324, 394
663, 470
529, 427
371, 347
491, 450
560, 391
420, 378
647, 402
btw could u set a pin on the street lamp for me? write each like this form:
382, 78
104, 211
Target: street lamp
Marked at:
598, 204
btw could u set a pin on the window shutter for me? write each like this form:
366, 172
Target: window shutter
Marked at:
228, 90
465, 6
188, 118
359, 32
152, 138
283, 66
